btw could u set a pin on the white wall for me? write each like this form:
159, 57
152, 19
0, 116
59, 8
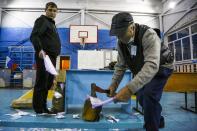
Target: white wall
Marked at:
99, 12
26, 19
23, 13
147, 6
184, 13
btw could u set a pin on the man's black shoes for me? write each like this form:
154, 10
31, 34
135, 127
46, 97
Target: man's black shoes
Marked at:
46, 111
161, 124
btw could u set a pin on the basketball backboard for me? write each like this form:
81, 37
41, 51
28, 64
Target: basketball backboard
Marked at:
84, 34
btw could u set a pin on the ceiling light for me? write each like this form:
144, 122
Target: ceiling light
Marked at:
172, 5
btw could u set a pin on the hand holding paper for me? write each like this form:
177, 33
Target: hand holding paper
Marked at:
96, 102
123, 95
42, 54
49, 66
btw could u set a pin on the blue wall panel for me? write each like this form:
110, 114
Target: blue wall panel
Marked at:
14, 34
78, 84
20, 36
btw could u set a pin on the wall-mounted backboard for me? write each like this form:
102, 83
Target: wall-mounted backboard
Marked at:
84, 33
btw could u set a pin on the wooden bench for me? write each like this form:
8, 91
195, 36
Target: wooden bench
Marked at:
181, 82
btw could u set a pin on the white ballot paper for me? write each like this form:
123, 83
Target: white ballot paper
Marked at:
49, 66
96, 102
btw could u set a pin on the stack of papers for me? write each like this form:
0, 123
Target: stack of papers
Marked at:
49, 66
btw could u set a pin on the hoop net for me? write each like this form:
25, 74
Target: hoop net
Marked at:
82, 41
83, 35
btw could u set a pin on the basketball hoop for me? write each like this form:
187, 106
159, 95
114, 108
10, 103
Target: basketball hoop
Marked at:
82, 42
83, 35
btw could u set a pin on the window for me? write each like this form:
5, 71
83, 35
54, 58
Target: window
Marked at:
178, 51
194, 28
183, 43
171, 47
172, 37
186, 48
194, 40
183, 33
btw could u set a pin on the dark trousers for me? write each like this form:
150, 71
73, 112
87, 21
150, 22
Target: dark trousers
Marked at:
149, 97
44, 81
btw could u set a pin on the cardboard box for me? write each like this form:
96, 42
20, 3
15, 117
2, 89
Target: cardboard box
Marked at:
61, 77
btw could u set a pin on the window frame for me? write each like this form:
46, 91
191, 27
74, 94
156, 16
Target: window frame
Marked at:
181, 39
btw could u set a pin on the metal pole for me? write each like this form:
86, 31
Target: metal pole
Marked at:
188, 11
195, 95
108, 25
161, 23
185, 100
0, 16
57, 23
18, 18
74, 10
82, 17
178, 3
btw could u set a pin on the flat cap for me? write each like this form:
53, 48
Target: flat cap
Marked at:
120, 22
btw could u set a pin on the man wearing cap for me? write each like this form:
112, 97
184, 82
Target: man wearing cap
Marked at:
139, 49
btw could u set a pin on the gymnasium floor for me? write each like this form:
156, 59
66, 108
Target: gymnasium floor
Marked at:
176, 118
